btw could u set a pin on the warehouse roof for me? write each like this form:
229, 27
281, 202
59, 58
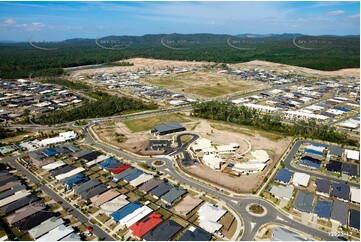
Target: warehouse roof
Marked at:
45, 227
166, 231
340, 211
323, 209
195, 234
142, 227
304, 201
340, 190
284, 175
173, 195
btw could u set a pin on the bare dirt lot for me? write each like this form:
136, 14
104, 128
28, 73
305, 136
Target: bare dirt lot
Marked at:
221, 133
142, 64
257, 64
204, 83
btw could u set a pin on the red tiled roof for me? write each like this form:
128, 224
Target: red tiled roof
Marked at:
142, 227
120, 169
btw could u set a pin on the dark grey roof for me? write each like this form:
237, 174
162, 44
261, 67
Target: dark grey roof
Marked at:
354, 219
34, 220
73, 148
62, 170
349, 169
82, 153
173, 195
304, 202
196, 234
149, 185
18, 204
166, 231
340, 190
7, 179
91, 156
323, 186
161, 189
335, 150
133, 176
36, 155
94, 191
12, 190
86, 186
125, 173
340, 211
169, 127
62, 150
112, 166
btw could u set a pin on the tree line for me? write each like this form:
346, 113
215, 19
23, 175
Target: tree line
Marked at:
225, 111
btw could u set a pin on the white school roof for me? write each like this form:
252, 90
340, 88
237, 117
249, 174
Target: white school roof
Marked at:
56, 234
301, 179
45, 227
248, 167
53, 165
317, 148
12, 198
114, 204
97, 160
352, 154
212, 160
355, 194
305, 115
225, 148
135, 216
260, 155
70, 173
140, 180
201, 144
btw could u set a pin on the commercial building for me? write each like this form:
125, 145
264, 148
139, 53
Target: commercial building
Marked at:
168, 128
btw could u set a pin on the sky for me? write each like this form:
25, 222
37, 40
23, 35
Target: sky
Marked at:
56, 21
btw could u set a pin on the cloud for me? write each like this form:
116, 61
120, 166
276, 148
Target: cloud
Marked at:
335, 13
356, 16
9, 22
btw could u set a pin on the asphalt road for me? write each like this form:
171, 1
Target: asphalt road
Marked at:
251, 223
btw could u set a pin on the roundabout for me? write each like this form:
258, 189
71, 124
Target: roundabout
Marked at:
256, 210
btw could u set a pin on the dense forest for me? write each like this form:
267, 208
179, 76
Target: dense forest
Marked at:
223, 111
324, 53
104, 106
6, 133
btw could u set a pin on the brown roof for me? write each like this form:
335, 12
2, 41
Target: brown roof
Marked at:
23, 213
149, 185
104, 197
9, 185
187, 204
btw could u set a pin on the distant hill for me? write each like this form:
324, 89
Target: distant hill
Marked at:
317, 52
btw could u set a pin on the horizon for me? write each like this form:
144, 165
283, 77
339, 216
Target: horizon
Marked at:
58, 21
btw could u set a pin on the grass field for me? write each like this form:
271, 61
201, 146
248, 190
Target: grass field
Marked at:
203, 83
144, 124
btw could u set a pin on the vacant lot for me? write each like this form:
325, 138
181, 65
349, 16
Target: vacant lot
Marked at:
203, 83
